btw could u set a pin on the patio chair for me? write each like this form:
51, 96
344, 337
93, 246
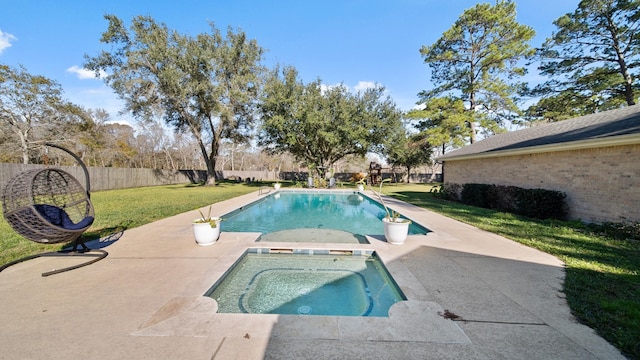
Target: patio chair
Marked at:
47, 206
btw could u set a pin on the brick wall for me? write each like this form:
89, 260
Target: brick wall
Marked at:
602, 184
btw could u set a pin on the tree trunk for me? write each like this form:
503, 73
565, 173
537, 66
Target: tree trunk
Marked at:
472, 126
628, 86
25, 152
211, 172
622, 63
472, 106
209, 161
24, 145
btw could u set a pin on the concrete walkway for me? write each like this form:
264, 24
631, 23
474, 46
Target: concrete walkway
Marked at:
144, 301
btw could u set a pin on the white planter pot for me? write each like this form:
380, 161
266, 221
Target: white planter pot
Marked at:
360, 187
205, 234
396, 232
276, 186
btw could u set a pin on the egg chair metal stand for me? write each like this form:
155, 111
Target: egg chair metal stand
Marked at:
48, 206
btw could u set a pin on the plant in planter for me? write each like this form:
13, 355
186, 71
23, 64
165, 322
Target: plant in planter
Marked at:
206, 229
396, 229
361, 180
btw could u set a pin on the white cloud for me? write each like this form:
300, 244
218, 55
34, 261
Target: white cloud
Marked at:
361, 86
5, 40
84, 73
364, 85
421, 106
324, 87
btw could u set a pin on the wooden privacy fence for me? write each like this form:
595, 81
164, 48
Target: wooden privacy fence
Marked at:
108, 178
105, 178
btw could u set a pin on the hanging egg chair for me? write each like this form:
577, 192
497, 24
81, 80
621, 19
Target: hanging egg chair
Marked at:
49, 205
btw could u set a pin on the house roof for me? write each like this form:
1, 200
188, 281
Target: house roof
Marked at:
607, 128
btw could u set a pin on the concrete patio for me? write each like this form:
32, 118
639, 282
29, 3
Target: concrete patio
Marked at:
144, 301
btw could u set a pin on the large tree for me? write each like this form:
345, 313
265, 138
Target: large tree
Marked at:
320, 125
32, 108
410, 152
592, 58
207, 84
477, 59
443, 120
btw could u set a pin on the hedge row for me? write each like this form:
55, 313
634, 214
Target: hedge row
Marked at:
533, 203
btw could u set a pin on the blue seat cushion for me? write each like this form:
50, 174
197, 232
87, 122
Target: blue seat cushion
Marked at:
59, 217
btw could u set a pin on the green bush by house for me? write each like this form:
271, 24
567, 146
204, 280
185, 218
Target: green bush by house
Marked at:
532, 203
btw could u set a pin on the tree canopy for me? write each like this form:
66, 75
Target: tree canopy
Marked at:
321, 125
477, 59
211, 87
592, 59
443, 121
410, 152
207, 84
32, 108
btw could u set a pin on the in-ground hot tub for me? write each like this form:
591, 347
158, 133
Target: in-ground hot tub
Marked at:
307, 282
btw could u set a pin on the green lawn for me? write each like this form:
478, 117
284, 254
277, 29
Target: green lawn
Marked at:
602, 284
117, 210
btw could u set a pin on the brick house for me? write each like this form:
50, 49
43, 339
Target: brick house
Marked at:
594, 159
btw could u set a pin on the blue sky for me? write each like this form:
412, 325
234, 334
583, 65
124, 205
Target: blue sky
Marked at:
355, 42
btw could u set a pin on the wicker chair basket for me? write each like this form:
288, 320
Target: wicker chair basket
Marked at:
47, 206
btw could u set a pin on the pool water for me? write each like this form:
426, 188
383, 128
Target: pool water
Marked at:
347, 211
307, 283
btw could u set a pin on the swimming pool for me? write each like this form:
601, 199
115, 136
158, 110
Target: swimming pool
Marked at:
324, 211
307, 282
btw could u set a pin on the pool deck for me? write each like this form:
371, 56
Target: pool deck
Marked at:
471, 295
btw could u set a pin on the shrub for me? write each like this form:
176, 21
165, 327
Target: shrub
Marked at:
541, 204
533, 203
358, 177
620, 231
451, 191
475, 195
502, 198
